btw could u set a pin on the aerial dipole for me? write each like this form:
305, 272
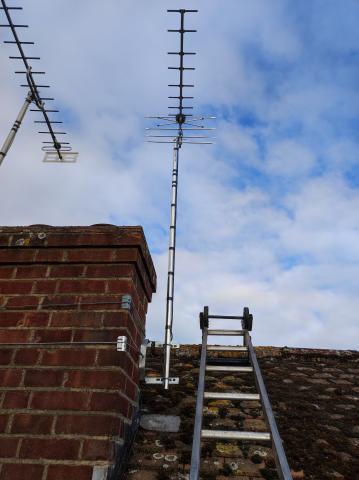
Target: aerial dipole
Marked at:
55, 149
179, 123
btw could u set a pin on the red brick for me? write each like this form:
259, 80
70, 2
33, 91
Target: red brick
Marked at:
11, 319
23, 319
96, 335
26, 356
82, 286
34, 424
96, 379
63, 271
7, 272
76, 319
131, 389
31, 271
126, 255
5, 357
66, 302
3, 422
23, 302
109, 402
10, 378
88, 425
8, 447
66, 472
43, 378
106, 271
54, 449
50, 255
119, 286
13, 287
109, 358
16, 255
51, 336
11, 471
90, 255
45, 286
100, 302
36, 319
14, 336
117, 319
97, 450
69, 357
91, 237
16, 400
59, 400
20, 471
4, 240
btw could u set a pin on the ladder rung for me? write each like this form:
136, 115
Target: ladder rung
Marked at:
231, 396
226, 332
220, 368
226, 348
233, 435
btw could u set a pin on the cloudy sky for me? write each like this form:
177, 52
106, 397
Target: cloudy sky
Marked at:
268, 215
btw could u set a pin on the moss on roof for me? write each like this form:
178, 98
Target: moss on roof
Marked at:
314, 394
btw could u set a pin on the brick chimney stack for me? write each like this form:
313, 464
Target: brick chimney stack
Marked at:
66, 409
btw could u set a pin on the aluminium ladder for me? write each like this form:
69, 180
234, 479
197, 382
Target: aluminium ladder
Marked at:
220, 365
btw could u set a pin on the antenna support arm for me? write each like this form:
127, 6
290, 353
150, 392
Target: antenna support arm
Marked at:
11, 137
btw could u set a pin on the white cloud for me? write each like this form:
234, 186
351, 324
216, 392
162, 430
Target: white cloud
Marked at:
267, 218
289, 158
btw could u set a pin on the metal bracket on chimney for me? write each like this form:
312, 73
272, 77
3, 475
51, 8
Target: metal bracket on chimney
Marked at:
160, 380
121, 344
142, 363
126, 302
175, 346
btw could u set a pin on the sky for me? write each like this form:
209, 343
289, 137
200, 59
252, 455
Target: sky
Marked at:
268, 215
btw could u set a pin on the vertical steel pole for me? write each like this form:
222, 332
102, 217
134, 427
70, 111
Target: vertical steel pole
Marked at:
171, 265
11, 137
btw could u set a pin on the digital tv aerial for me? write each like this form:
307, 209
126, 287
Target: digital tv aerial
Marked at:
178, 129
55, 149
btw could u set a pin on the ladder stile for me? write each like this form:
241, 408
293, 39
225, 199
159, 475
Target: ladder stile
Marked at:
250, 366
196, 449
279, 453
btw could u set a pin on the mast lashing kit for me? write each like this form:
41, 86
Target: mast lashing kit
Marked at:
55, 149
177, 123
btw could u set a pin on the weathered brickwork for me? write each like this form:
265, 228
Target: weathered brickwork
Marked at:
64, 409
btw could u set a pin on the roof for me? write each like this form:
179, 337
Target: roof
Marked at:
314, 394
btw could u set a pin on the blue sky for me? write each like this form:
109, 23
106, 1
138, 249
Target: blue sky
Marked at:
268, 215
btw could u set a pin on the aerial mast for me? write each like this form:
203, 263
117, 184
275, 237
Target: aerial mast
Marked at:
179, 123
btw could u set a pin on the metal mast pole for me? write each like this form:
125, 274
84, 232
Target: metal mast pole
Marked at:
171, 263
11, 137
180, 122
